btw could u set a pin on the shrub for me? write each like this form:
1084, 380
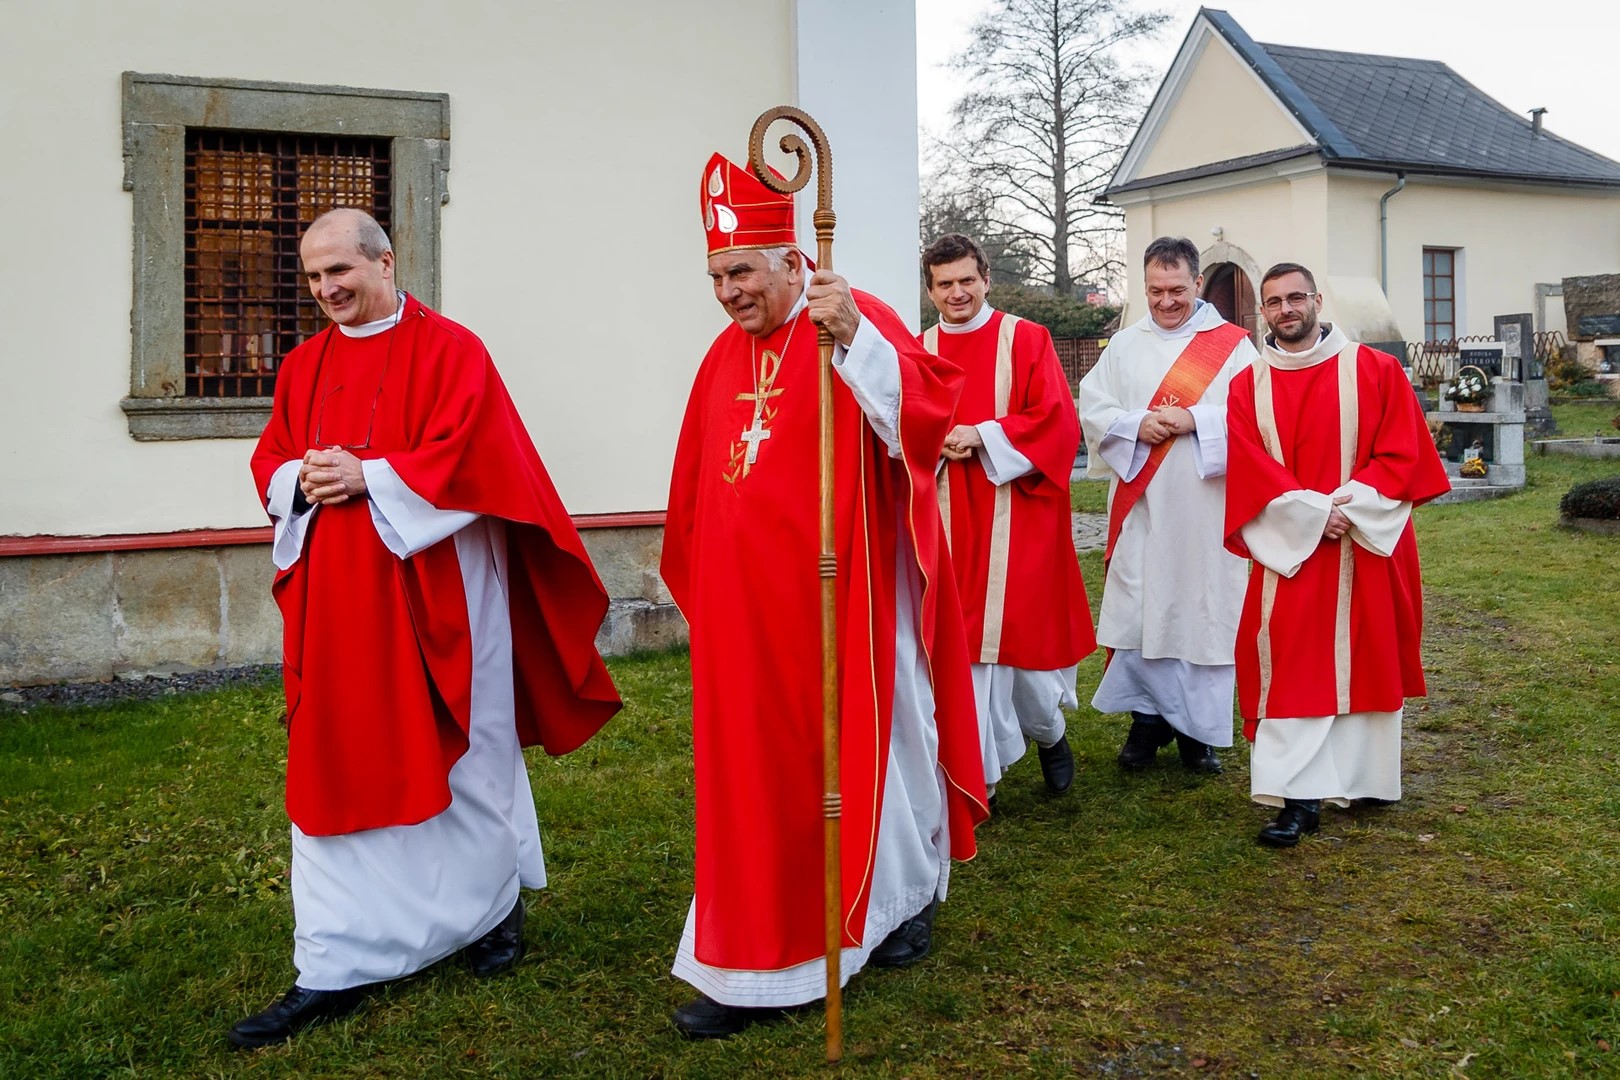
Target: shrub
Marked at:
1586, 388
1593, 499
1064, 316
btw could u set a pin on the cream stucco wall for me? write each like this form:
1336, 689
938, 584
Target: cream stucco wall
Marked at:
1267, 218
1511, 238
571, 242
1223, 111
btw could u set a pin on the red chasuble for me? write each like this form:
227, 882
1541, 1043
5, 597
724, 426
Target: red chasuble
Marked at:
1343, 634
1023, 598
741, 550
377, 656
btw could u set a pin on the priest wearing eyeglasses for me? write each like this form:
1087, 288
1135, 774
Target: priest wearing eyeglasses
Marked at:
439, 614
1329, 455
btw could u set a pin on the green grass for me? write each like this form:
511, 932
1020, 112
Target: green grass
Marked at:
1130, 928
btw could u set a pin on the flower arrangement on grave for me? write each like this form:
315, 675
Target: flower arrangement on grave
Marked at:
1470, 388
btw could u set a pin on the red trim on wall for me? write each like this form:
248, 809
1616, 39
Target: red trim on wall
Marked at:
636, 519
78, 545
204, 538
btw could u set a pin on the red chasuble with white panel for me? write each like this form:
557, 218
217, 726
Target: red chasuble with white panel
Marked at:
377, 656
1023, 598
1342, 634
741, 553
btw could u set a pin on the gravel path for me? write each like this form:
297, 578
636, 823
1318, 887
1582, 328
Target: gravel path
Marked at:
1090, 531
139, 687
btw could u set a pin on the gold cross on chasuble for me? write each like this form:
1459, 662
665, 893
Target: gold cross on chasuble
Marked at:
742, 460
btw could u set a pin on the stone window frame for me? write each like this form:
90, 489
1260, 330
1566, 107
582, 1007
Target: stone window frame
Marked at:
157, 110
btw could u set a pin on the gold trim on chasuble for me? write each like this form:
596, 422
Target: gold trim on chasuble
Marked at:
995, 600
1266, 420
876, 815
942, 475
995, 593
942, 491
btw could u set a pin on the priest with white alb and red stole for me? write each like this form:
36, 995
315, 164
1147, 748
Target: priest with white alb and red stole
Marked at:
1004, 494
741, 559
439, 613
1154, 414
1329, 454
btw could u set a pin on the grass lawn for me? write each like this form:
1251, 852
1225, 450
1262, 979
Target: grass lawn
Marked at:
1130, 928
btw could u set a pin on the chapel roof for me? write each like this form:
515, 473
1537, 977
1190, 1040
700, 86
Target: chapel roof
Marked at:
1391, 113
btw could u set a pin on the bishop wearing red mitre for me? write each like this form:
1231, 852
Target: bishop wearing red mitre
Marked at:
740, 557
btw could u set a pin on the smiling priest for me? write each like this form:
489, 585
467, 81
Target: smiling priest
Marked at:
439, 610
741, 549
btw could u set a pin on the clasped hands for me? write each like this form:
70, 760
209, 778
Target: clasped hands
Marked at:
331, 476
961, 442
1164, 422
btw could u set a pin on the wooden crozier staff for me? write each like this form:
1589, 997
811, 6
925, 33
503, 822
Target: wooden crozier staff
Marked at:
831, 800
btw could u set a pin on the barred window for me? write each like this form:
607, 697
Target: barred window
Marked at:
225, 175
249, 197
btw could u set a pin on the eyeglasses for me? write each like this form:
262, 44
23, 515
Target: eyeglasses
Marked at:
1293, 300
320, 417
320, 441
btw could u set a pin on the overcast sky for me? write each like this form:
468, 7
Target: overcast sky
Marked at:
1561, 54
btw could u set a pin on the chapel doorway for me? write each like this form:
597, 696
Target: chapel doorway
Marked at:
1228, 287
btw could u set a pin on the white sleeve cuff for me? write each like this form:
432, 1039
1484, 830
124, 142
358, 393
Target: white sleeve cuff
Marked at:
406, 522
1121, 450
288, 541
1286, 533
870, 367
1376, 523
1209, 440
1002, 461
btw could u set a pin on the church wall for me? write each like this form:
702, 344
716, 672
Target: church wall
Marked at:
1222, 111
1511, 239
1272, 219
571, 241
571, 244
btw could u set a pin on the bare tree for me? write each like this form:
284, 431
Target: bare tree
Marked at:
1049, 106
948, 208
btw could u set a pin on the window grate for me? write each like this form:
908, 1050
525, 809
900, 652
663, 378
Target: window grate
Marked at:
249, 197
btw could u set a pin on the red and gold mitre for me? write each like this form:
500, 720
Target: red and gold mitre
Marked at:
739, 212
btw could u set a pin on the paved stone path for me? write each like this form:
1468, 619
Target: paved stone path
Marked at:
1090, 531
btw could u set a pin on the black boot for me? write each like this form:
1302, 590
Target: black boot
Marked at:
1057, 765
909, 942
501, 948
1196, 756
1297, 818
1148, 733
706, 1018
297, 1010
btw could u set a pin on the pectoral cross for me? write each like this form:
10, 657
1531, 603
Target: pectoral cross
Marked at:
753, 434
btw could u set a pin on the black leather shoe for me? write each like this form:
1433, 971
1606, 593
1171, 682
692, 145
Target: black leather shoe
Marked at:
1368, 802
1297, 818
1057, 765
991, 804
909, 942
705, 1018
501, 948
1196, 756
297, 1010
1147, 735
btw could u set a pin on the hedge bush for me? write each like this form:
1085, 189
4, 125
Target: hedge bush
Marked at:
1593, 499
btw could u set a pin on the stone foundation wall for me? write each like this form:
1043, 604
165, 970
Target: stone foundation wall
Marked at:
85, 617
